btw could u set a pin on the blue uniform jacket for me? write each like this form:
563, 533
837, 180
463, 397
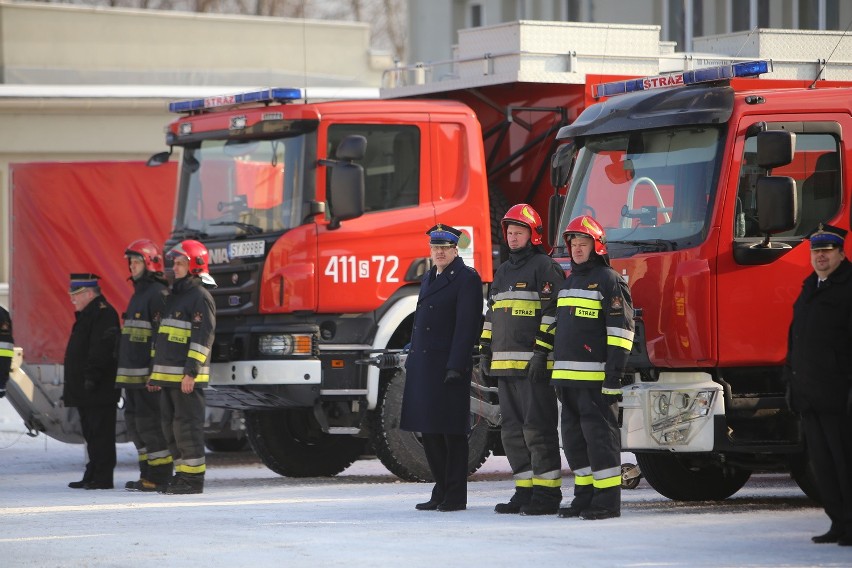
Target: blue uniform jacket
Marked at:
447, 324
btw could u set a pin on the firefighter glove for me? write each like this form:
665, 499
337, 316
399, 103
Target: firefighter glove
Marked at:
89, 385
453, 377
612, 386
537, 368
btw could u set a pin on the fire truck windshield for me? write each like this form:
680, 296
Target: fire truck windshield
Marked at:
241, 187
651, 190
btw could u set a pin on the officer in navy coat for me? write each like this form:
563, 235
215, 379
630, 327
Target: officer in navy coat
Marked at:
436, 401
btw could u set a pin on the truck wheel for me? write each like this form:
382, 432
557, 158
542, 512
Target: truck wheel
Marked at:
402, 452
226, 444
682, 478
291, 443
801, 470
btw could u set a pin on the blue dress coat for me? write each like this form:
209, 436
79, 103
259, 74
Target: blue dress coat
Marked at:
447, 324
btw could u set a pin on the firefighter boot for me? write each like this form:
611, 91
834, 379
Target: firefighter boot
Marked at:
582, 499
157, 479
186, 484
606, 504
143, 475
522, 496
545, 501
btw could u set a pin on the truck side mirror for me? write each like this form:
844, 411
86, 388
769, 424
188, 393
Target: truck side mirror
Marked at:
554, 208
775, 148
345, 193
560, 165
776, 204
159, 159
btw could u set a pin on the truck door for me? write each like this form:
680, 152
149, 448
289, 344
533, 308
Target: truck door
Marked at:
362, 263
757, 286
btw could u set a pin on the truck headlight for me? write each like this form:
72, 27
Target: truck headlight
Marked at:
673, 413
284, 344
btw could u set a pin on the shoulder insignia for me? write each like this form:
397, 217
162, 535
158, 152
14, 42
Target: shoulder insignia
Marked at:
546, 287
197, 317
616, 303
593, 285
520, 285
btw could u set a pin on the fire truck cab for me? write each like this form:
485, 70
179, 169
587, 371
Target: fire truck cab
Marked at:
708, 183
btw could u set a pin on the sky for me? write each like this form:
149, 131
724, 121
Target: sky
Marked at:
249, 516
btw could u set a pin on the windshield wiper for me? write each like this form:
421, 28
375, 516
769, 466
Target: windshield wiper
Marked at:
185, 232
649, 245
247, 227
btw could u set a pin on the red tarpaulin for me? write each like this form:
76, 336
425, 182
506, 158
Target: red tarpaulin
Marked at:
78, 217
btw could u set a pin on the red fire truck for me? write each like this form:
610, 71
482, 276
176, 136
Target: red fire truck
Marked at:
708, 190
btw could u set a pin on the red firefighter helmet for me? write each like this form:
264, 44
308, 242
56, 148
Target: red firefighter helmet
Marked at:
149, 252
585, 225
525, 215
197, 255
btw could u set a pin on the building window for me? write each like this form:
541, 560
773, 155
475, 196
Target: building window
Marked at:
573, 11
476, 15
740, 15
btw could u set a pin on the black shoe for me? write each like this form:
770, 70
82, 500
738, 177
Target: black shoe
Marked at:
93, 485
509, 508
569, 512
829, 537
597, 514
845, 540
78, 484
449, 507
427, 506
535, 508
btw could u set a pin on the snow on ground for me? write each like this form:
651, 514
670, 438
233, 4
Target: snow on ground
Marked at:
249, 516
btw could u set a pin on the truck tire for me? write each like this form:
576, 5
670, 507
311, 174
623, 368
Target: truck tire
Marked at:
402, 452
676, 476
802, 473
226, 444
291, 443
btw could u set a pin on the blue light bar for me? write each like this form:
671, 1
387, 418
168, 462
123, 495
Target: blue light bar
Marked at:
280, 95
706, 75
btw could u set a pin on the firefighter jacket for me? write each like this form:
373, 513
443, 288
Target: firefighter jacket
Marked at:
141, 320
6, 347
522, 288
90, 363
185, 336
819, 360
594, 327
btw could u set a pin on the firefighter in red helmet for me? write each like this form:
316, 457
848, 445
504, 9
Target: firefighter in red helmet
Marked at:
522, 286
142, 401
591, 341
181, 364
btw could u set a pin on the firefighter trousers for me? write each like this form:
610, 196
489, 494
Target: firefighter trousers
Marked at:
829, 443
529, 432
592, 444
142, 417
182, 418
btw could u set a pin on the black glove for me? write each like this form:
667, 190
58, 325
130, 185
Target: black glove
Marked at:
89, 385
537, 368
453, 377
485, 359
611, 389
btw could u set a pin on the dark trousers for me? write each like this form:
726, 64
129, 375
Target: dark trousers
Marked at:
98, 423
829, 440
182, 418
592, 444
529, 430
447, 455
